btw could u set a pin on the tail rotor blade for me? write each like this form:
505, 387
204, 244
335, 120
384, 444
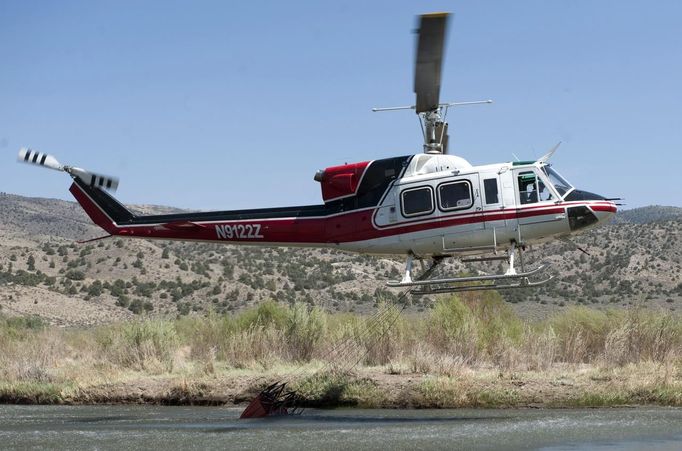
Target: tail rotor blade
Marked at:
96, 180
31, 156
430, 48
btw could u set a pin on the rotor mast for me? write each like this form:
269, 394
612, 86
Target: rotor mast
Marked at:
427, 72
428, 67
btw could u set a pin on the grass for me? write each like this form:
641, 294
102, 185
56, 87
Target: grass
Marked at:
34, 392
468, 351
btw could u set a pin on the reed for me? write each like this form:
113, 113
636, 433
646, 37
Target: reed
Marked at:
460, 337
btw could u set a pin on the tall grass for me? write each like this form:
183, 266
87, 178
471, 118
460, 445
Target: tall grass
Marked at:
141, 345
459, 333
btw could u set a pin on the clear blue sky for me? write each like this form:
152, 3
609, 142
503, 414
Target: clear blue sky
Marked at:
221, 105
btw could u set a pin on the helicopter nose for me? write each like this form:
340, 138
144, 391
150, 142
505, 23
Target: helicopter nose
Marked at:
595, 210
604, 211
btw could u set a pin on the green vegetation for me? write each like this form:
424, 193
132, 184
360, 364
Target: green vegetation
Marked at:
324, 389
21, 277
468, 351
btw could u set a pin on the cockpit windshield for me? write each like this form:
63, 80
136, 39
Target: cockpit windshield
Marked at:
561, 185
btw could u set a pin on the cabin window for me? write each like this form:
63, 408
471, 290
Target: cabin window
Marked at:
417, 201
491, 192
455, 196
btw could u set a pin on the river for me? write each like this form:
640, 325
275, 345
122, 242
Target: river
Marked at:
170, 428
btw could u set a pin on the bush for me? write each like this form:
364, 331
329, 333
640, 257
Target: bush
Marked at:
95, 288
20, 323
75, 275
267, 314
136, 306
304, 330
453, 328
475, 327
581, 333
141, 345
31, 263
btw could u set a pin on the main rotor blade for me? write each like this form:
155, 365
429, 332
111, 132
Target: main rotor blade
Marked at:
430, 47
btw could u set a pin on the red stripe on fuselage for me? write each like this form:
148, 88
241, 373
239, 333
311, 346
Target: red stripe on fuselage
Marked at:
353, 226
609, 208
348, 227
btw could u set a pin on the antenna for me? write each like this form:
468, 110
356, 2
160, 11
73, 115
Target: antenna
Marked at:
440, 105
433, 124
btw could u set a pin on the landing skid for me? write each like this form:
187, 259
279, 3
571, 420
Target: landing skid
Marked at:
522, 283
509, 280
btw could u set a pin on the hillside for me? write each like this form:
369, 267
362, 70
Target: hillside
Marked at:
652, 213
636, 260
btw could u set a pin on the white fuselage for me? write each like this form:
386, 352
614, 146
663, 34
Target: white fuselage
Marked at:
445, 206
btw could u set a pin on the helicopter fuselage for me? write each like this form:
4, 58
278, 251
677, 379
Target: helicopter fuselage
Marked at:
424, 205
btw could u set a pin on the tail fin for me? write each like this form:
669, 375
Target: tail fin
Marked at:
103, 209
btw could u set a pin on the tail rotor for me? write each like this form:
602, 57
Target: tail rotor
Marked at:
30, 156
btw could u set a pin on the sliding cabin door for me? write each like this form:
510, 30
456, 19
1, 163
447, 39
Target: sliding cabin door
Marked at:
461, 213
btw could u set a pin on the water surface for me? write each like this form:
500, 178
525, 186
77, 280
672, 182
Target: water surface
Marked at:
169, 428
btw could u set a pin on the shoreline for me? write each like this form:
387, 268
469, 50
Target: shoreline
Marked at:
585, 386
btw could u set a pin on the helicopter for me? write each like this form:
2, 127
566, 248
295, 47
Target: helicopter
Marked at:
427, 206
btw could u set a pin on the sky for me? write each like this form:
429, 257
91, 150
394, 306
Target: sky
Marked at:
230, 105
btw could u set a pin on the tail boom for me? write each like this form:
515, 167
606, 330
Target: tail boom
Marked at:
254, 227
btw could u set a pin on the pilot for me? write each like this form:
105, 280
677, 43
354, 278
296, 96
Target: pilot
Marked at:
529, 195
532, 194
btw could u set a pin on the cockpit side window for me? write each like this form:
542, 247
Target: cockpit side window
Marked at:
532, 188
528, 188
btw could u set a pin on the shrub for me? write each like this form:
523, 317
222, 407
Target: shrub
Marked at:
581, 333
269, 313
304, 329
75, 275
148, 345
